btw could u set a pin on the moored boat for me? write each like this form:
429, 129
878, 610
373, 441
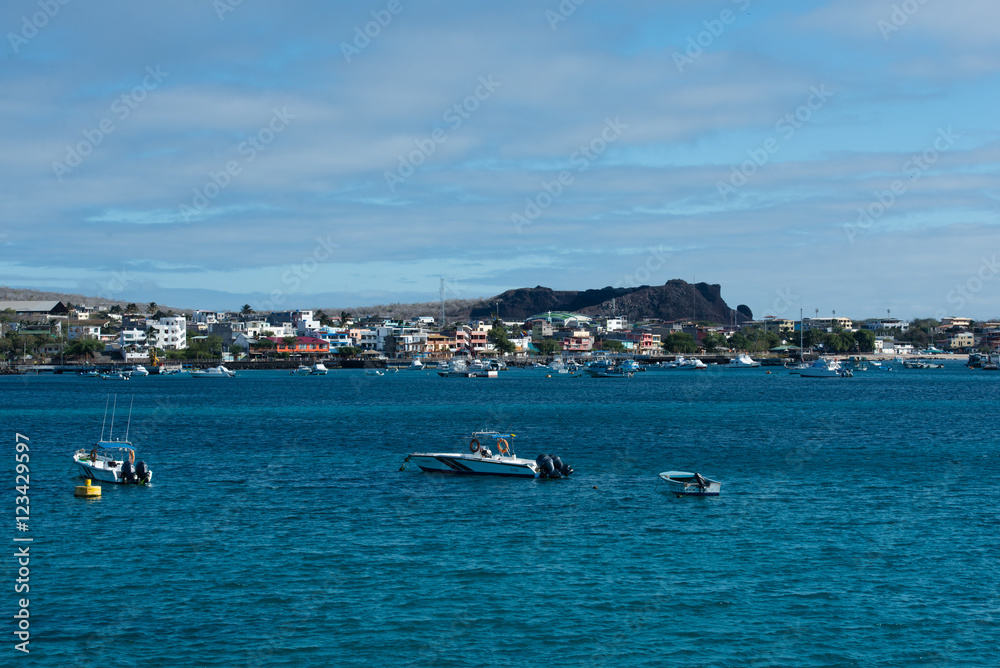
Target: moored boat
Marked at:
682, 483
742, 361
825, 367
318, 369
112, 460
481, 460
213, 372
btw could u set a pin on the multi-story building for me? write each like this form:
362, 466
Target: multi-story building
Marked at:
948, 323
575, 340
303, 346
962, 340
170, 333
84, 329
879, 324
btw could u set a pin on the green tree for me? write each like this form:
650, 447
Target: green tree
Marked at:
84, 348
713, 341
117, 309
324, 319
131, 308
151, 308
498, 335
679, 342
345, 317
613, 345
348, 351
738, 342
547, 346
865, 339
246, 310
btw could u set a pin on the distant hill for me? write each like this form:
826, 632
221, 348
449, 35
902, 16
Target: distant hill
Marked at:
675, 300
22, 294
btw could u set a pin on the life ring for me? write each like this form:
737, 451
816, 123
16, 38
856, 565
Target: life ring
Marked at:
504, 446
474, 445
131, 456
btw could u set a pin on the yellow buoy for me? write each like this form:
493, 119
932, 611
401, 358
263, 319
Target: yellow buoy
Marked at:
87, 490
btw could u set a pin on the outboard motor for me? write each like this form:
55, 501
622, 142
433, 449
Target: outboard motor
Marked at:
128, 472
142, 472
549, 466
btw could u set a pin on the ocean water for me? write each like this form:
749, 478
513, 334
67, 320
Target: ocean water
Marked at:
857, 524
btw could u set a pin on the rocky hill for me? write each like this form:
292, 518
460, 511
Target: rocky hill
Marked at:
675, 300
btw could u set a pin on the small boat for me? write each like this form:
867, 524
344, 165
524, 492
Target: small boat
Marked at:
480, 460
374, 372
606, 369
318, 369
682, 483
89, 373
742, 361
825, 367
303, 370
116, 375
112, 460
416, 365
919, 364
139, 370
213, 372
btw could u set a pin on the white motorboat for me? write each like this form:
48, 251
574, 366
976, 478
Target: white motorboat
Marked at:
213, 372
825, 367
416, 365
682, 483
112, 460
476, 369
742, 361
606, 369
117, 375
693, 364
481, 460
139, 370
303, 370
318, 369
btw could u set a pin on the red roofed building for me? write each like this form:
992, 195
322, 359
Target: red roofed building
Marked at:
304, 346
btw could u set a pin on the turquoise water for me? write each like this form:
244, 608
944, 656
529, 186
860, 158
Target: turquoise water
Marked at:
856, 527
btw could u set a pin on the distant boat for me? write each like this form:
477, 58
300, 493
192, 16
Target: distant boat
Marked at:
682, 483
416, 365
303, 370
139, 370
825, 367
481, 460
917, 364
742, 361
318, 369
213, 372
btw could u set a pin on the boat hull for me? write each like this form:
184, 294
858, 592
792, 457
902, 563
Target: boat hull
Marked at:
459, 464
688, 486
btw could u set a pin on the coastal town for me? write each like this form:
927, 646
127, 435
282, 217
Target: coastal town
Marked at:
34, 333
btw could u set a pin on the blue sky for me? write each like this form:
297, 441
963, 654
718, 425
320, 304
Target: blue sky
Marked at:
825, 156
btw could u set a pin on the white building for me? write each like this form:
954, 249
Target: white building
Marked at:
170, 333
83, 330
132, 337
887, 323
